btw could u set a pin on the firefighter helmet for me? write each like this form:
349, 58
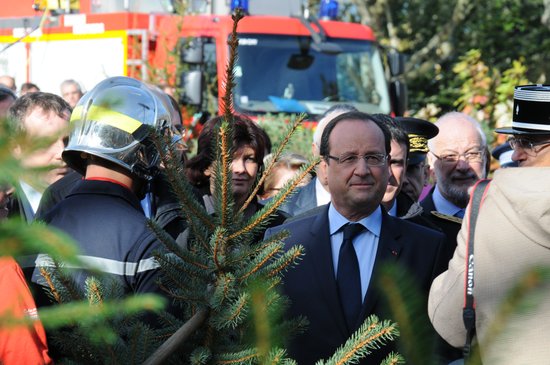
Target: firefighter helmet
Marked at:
114, 121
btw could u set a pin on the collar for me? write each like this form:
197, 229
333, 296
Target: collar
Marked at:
393, 210
102, 187
99, 178
373, 222
33, 195
321, 194
442, 205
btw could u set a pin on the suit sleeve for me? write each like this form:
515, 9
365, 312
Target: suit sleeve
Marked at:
446, 298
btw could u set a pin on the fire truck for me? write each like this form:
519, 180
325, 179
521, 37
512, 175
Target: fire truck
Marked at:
289, 60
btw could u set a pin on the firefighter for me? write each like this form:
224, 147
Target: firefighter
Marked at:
110, 144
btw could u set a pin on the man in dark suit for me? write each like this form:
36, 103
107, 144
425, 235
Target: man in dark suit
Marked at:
356, 150
458, 158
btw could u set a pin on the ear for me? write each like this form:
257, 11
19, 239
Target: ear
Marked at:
208, 172
322, 172
427, 172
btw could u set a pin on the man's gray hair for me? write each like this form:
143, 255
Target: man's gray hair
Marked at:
70, 82
457, 115
326, 117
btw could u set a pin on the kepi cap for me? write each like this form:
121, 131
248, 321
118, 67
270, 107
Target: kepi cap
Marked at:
531, 113
419, 132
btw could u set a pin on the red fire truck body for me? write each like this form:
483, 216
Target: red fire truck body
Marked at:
286, 64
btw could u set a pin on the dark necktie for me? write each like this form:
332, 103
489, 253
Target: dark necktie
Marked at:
348, 276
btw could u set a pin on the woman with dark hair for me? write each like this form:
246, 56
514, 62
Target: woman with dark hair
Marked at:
249, 146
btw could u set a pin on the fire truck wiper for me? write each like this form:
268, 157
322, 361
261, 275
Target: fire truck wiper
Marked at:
319, 37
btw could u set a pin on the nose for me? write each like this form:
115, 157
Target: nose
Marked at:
237, 166
361, 168
519, 155
462, 164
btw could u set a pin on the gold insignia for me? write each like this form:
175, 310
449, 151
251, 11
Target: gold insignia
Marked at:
418, 143
447, 217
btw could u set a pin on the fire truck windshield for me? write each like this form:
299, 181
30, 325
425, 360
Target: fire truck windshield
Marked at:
289, 74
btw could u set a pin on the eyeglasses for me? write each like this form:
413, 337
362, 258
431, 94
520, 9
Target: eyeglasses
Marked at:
178, 138
350, 159
526, 144
452, 158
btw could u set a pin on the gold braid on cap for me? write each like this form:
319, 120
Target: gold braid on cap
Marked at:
418, 143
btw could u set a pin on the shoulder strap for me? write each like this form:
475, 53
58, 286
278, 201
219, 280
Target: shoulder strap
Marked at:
468, 313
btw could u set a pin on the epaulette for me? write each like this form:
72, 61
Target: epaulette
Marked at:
451, 218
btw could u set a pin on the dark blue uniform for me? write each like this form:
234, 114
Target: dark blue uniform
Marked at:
108, 224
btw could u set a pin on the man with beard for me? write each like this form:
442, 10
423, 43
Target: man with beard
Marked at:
458, 158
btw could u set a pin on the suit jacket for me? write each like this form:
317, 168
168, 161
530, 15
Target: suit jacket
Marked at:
312, 289
56, 192
449, 225
18, 205
303, 200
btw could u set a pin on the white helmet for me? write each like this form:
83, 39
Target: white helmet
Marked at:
114, 121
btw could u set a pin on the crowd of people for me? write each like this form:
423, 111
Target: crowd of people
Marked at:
386, 190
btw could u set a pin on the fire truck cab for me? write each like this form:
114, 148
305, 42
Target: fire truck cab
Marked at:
288, 60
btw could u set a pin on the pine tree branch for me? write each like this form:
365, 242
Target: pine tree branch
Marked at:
233, 314
177, 339
293, 126
275, 203
258, 265
285, 261
94, 291
174, 248
371, 335
393, 359
242, 357
225, 285
219, 245
54, 293
225, 172
233, 42
182, 188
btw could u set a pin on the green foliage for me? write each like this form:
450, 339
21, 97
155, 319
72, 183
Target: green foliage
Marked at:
485, 93
436, 34
408, 309
276, 126
372, 335
99, 324
19, 238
